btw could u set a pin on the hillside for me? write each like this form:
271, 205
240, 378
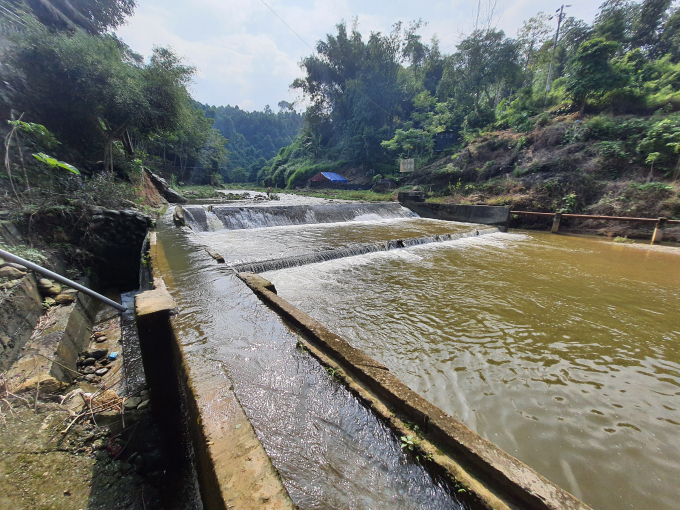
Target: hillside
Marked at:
603, 138
254, 137
569, 164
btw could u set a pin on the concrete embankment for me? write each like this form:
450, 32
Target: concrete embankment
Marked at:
494, 478
484, 214
233, 469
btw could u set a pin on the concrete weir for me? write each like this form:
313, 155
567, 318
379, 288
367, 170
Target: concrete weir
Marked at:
494, 479
349, 251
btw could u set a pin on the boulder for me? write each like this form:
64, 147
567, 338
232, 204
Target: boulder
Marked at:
14, 265
96, 353
178, 217
164, 189
44, 283
11, 273
65, 299
133, 402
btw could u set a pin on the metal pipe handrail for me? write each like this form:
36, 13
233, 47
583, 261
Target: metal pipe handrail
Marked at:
593, 217
61, 279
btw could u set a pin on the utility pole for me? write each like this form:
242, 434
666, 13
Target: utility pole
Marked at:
552, 58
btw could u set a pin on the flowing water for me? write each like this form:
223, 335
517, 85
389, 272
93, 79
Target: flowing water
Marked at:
330, 450
562, 350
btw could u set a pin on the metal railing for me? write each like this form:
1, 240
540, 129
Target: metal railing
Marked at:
30, 265
660, 223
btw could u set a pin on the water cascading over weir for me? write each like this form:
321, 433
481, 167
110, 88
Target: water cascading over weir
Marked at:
233, 218
285, 413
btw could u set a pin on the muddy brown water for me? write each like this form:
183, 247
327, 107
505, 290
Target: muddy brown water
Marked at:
562, 350
330, 450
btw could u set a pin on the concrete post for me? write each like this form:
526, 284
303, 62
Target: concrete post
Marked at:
556, 223
658, 230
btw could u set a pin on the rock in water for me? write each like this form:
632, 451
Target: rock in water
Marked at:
178, 217
101, 371
11, 273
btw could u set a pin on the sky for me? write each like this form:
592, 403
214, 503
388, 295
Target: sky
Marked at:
246, 56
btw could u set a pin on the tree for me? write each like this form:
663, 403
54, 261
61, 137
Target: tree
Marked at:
669, 41
485, 65
592, 74
94, 16
614, 21
93, 90
354, 90
530, 38
646, 28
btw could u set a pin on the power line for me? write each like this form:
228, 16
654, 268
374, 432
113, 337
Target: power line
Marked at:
287, 25
307, 44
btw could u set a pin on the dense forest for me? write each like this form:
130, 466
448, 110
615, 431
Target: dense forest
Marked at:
573, 118
378, 98
254, 137
72, 91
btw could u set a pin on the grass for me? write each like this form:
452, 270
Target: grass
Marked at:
365, 195
339, 194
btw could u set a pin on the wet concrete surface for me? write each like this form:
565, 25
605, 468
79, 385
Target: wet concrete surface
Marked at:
329, 449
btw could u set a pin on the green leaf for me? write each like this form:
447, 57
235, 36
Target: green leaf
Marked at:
55, 163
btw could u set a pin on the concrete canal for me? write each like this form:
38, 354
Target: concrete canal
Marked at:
560, 350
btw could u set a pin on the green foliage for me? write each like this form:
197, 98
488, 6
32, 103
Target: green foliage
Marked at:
409, 442
659, 144
54, 163
652, 187
593, 75
622, 240
92, 90
411, 143
254, 137
25, 252
94, 16
612, 150
37, 133
568, 203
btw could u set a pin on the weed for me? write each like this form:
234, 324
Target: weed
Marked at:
569, 203
409, 442
623, 240
300, 346
333, 373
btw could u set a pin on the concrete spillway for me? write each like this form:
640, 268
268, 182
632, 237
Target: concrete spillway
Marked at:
232, 218
352, 250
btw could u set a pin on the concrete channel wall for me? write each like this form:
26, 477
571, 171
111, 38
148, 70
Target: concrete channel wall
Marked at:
232, 467
494, 479
484, 214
